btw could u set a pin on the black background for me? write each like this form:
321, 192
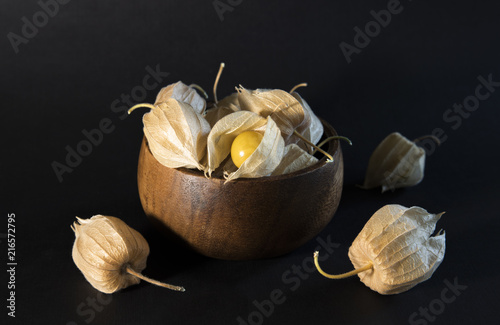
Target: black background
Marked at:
66, 77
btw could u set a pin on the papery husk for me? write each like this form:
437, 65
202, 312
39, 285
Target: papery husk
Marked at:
313, 131
280, 105
230, 101
294, 158
266, 157
222, 108
396, 162
103, 247
182, 93
398, 242
223, 133
176, 134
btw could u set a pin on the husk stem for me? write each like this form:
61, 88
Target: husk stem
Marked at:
222, 65
330, 158
336, 137
304, 84
129, 270
133, 108
200, 89
339, 276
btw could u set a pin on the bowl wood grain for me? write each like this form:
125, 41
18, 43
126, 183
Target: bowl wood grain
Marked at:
245, 218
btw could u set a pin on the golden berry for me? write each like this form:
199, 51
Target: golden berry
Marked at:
244, 145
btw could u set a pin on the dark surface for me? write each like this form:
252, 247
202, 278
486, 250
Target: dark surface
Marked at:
65, 79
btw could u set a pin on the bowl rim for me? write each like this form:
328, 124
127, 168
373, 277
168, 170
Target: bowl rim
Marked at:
333, 147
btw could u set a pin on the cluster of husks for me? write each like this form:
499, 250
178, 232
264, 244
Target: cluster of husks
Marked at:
182, 132
393, 252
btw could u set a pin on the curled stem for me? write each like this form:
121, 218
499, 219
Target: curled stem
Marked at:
158, 283
330, 158
222, 65
434, 138
343, 275
304, 84
200, 89
131, 109
336, 137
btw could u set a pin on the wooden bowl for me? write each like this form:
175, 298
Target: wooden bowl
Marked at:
245, 218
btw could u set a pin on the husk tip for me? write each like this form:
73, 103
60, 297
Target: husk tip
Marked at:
440, 233
75, 227
80, 220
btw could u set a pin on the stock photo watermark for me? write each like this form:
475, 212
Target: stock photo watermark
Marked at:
436, 307
225, 6
89, 308
292, 279
461, 111
363, 37
94, 137
30, 27
11, 264
455, 117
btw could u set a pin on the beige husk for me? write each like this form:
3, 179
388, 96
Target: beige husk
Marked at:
182, 133
223, 133
313, 130
229, 101
264, 160
294, 158
176, 134
396, 162
395, 250
398, 241
222, 108
281, 106
182, 93
110, 254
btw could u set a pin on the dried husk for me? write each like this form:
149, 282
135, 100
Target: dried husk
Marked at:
110, 254
230, 101
103, 247
280, 105
396, 162
294, 158
314, 129
222, 108
176, 134
182, 93
266, 157
223, 133
397, 241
